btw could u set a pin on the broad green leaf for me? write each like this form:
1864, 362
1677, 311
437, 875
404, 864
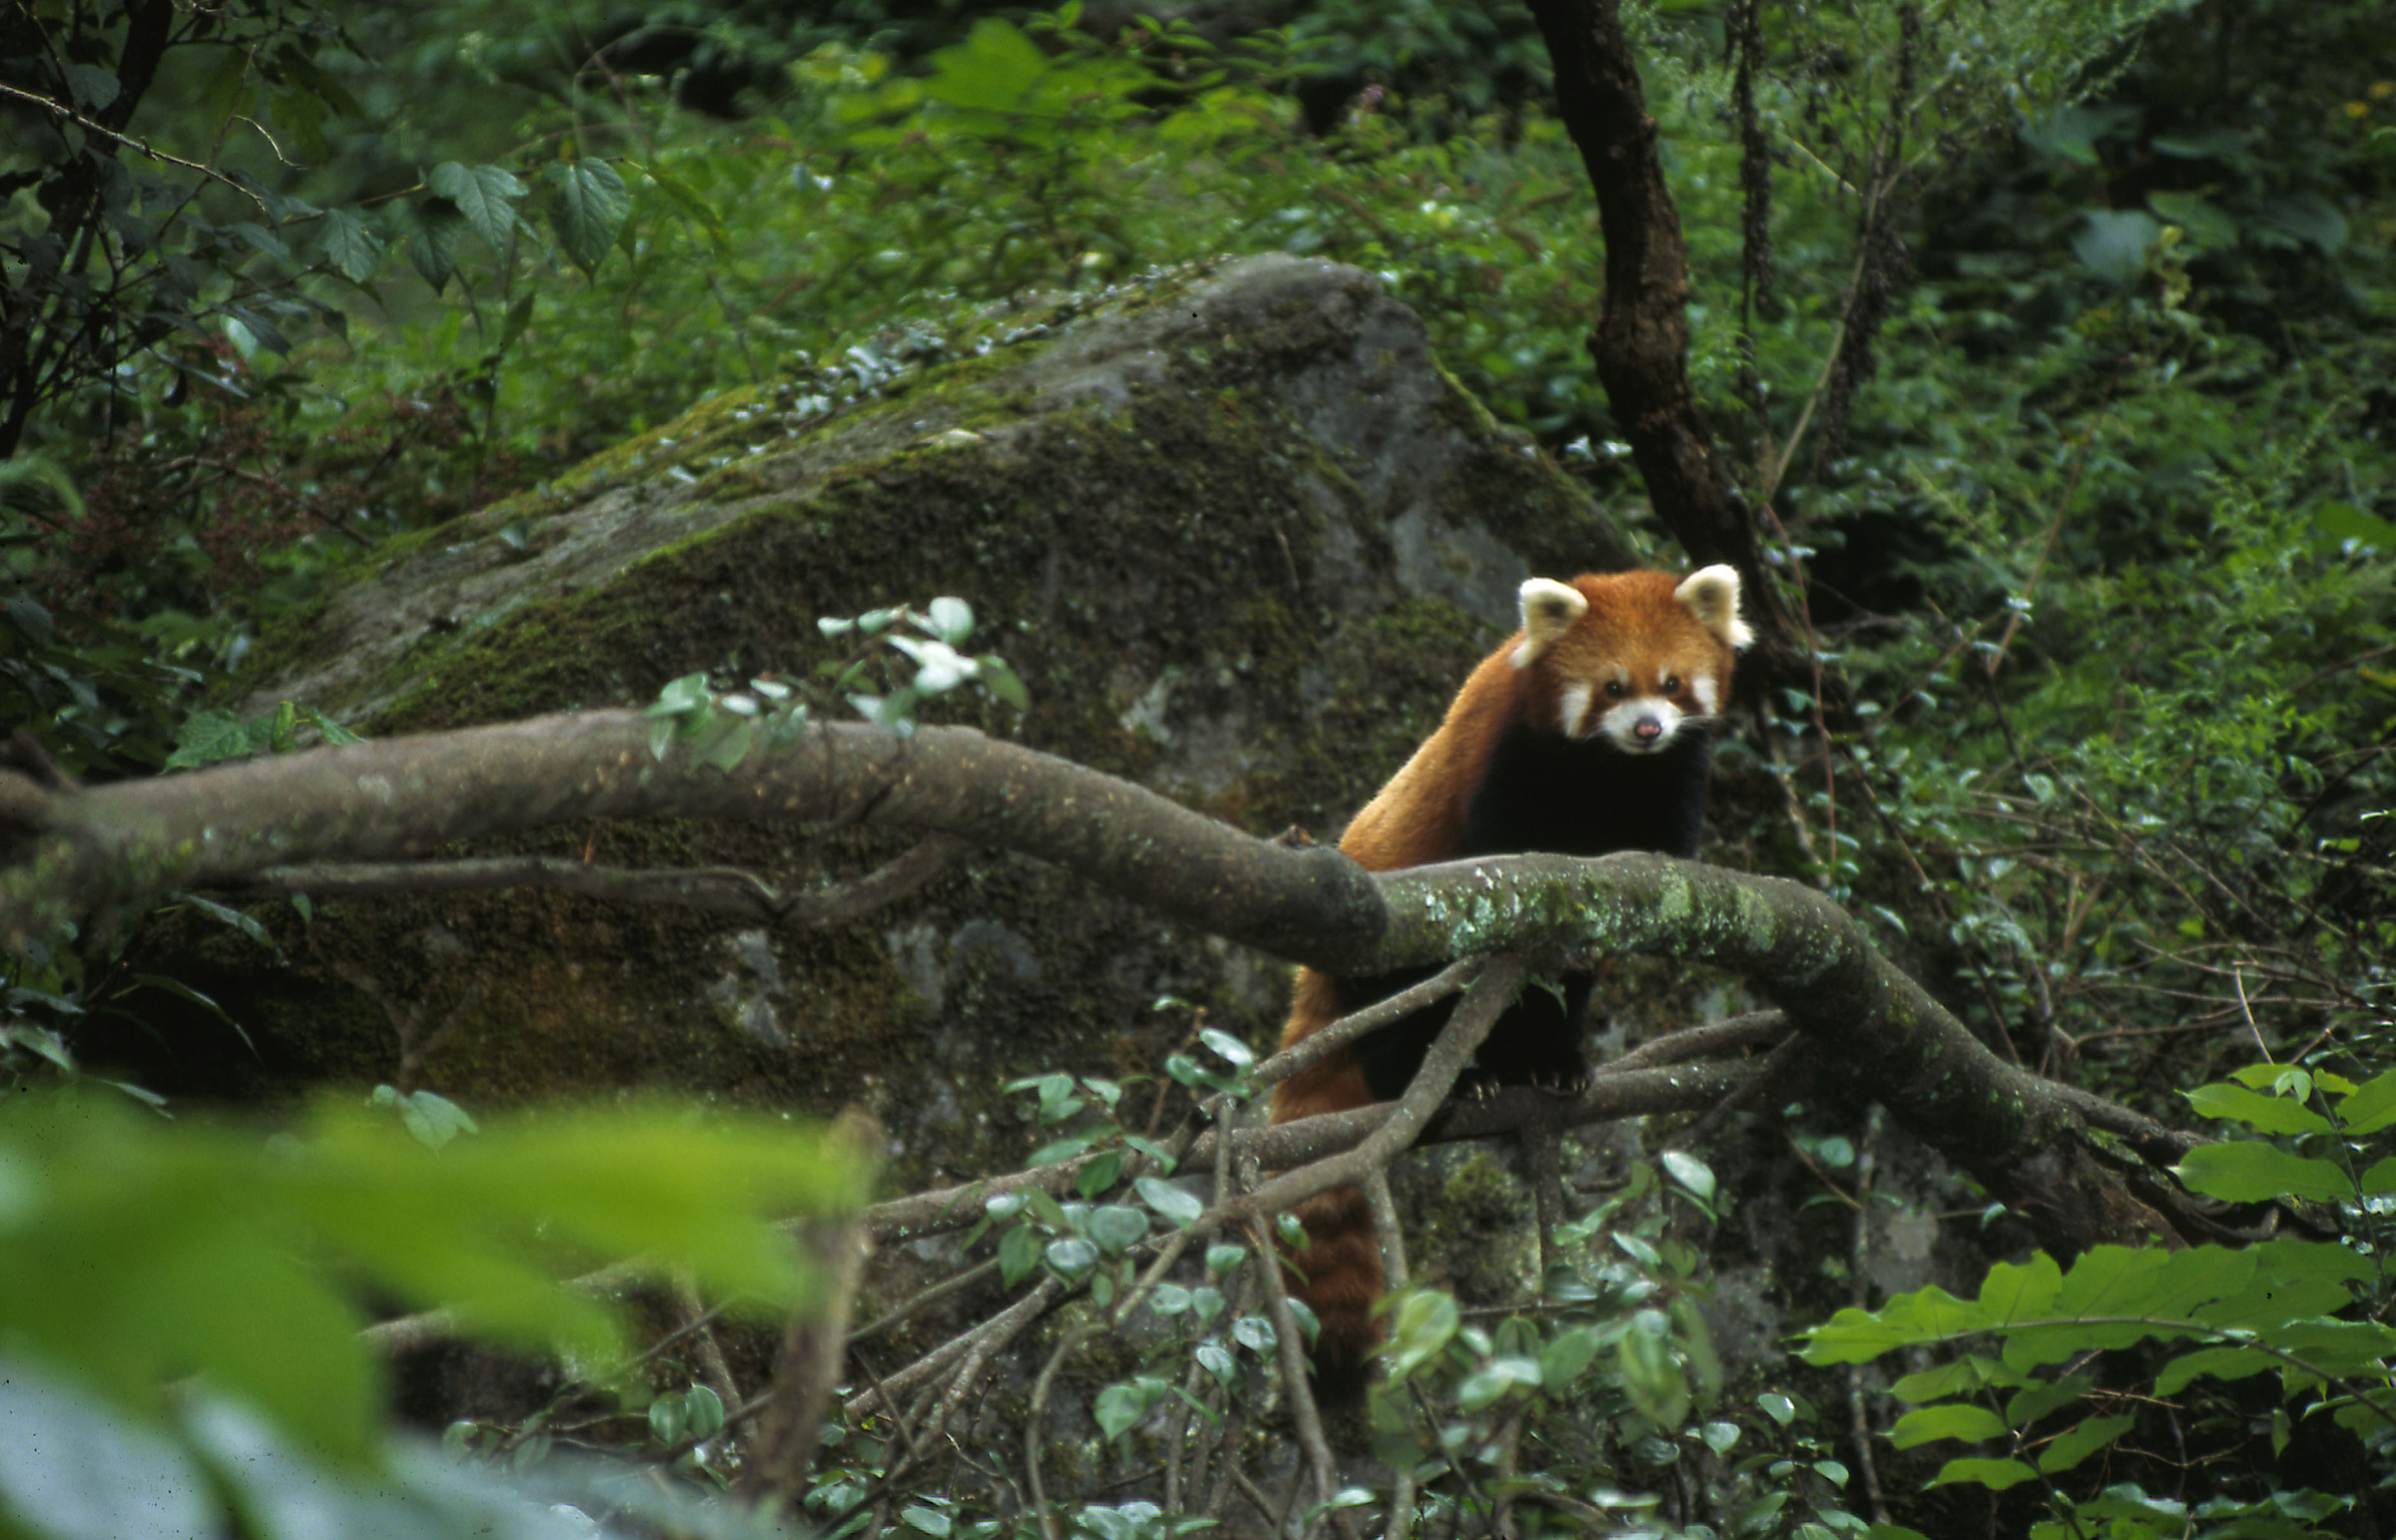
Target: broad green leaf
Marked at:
1119, 1407
1653, 1375
2372, 1107
1690, 1172
2114, 242
1962, 1376
2025, 1293
2080, 1441
1568, 1356
588, 203
2209, 226
484, 196
2249, 1171
2042, 1398
1117, 1228
1174, 1203
1926, 1316
433, 228
213, 734
1956, 1419
1996, 1475
81, 1467
2220, 1363
349, 245
1018, 1253
2264, 1114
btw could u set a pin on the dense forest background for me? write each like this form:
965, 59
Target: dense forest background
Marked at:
2052, 347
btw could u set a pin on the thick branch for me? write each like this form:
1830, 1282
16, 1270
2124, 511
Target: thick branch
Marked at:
69, 855
73, 857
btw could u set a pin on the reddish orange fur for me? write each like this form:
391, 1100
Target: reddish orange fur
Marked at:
1418, 819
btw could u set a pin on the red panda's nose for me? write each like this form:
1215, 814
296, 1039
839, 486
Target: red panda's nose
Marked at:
1647, 730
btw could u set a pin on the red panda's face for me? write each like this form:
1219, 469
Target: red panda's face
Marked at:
1632, 658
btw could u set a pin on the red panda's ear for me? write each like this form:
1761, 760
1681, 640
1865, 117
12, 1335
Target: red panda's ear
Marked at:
1548, 610
1712, 595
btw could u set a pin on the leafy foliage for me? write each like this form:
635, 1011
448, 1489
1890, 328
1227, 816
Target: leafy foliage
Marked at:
2056, 366
139, 1252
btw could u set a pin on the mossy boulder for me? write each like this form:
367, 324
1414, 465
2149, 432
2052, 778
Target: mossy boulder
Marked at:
1234, 526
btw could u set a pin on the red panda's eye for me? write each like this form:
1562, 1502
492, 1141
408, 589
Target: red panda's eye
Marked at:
1615, 690
1671, 684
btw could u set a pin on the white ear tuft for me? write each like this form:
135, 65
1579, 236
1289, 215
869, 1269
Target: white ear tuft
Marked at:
1712, 595
1548, 610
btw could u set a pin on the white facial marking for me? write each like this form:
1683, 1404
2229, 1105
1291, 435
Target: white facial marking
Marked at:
1624, 724
1704, 689
1571, 710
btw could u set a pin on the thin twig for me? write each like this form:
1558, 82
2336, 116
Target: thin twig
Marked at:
80, 121
1317, 1046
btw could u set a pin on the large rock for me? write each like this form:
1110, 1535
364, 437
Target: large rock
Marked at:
1236, 529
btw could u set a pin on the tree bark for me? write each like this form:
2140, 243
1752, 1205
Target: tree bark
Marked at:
1641, 344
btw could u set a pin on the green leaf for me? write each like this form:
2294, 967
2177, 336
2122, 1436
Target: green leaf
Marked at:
230, 917
2114, 242
2264, 1114
2025, 1293
213, 734
1963, 1377
1117, 1228
994, 675
82, 1468
2372, 1105
2042, 1398
949, 619
1653, 1375
433, 228
1955, 1419
1926, 1316
2249, 1172
705, 1410
2080, 1441
1179, 1206
2220, 1363
1230, 1048
711, 223
484, 196
1996, 1475
1119, 1407
2308, 216
349, 245
1018, 1253
2207, 227
588, 204
1569, 1356
1690, 1172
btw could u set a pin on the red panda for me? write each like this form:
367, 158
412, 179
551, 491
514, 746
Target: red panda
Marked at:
1588, 732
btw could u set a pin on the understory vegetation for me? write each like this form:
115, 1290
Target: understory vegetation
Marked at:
2052, 347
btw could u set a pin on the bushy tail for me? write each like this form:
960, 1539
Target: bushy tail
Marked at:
1339, 1269
1342, 1280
